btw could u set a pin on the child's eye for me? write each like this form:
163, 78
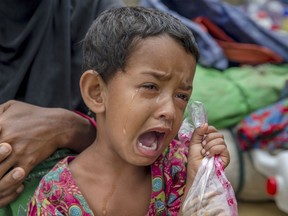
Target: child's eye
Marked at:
150, 86
183, 97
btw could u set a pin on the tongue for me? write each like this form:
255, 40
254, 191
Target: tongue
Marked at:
148, 139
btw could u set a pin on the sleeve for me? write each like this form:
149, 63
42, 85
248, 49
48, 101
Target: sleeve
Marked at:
175, 164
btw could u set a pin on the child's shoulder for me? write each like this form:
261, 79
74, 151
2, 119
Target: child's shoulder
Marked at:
59, 173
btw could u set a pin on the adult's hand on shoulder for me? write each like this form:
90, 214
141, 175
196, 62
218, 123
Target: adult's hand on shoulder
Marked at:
23, 127
34, 134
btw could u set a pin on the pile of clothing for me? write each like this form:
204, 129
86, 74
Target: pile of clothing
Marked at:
241, 78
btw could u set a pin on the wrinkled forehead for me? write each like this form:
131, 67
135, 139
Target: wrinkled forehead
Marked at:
161, 49
162, 57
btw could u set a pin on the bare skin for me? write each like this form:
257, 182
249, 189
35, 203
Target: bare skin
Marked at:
153, 94
109, 192
30, 134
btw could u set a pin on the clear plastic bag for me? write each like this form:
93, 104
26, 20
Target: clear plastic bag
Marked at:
211, 193
196, 117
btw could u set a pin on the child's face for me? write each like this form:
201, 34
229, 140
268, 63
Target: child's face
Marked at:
144, 105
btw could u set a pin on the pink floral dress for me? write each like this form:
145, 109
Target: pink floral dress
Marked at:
58, 194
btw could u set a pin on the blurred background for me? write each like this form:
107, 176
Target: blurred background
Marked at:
254, 166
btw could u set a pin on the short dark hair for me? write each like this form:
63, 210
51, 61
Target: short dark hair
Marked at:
112, 37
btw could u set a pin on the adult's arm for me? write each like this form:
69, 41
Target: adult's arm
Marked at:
34, 134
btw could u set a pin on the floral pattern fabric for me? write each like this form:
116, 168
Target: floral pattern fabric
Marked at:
58, 194
265, 128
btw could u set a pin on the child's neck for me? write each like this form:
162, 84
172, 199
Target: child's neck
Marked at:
99, 159
109, 180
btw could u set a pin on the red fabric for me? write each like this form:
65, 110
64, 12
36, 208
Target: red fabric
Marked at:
242, 53
91, 120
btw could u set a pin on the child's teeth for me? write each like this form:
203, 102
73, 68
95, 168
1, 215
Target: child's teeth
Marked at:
152, 147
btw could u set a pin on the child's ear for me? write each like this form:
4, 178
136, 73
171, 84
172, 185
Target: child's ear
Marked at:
92, 89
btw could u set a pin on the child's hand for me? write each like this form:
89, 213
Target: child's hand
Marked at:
205, 141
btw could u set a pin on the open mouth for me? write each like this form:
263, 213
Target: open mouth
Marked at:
151, 141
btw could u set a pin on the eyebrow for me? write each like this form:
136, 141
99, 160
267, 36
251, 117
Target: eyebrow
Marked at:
164, 76
187, 88
157, 74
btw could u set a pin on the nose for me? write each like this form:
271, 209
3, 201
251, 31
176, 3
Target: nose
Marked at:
166, 110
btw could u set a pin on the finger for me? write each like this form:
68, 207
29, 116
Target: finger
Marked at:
6, 165
16, 189
11, 186
11, 181
5, 200
213, 135
8, 199
213, 139
211, 129
214, 150
5, 150
198, 134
